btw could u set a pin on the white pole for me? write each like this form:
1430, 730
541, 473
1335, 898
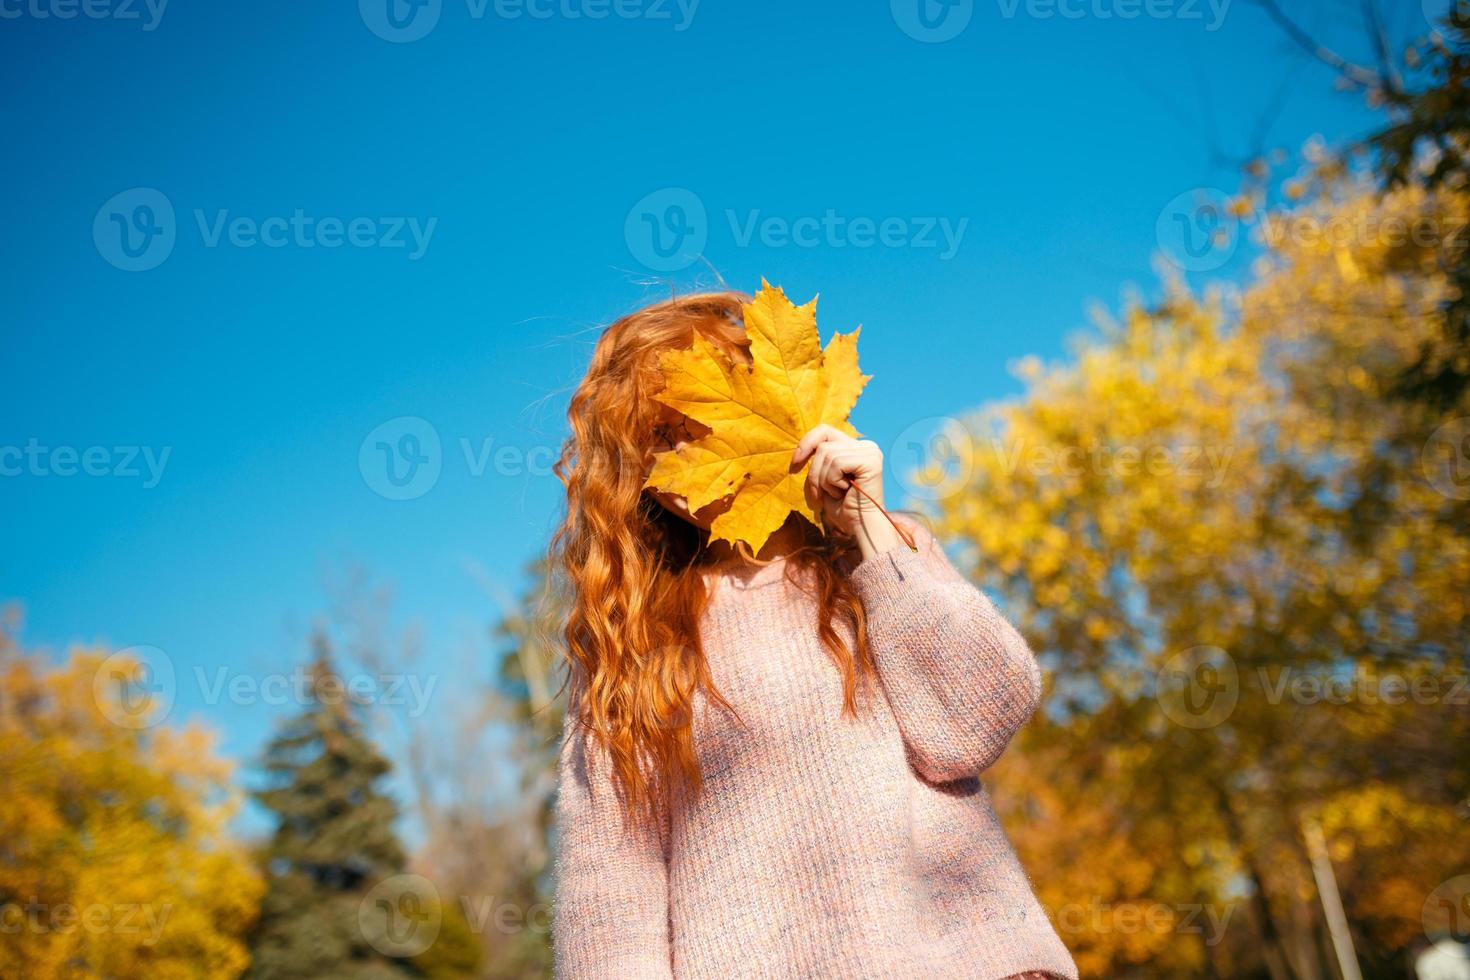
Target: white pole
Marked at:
1337, 925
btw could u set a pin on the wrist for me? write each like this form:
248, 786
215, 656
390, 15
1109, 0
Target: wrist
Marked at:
874, 534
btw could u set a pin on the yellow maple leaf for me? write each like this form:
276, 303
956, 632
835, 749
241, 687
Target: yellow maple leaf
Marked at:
756, 414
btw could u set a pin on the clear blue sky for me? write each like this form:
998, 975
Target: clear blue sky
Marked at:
527, 142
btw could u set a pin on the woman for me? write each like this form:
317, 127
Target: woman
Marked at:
770, 763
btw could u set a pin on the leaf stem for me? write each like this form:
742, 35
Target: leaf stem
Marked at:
903, 535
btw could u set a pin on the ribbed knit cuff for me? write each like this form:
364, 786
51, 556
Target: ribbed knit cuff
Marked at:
887, 578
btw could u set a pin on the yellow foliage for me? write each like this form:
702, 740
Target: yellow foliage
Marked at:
116, 861
1242, 479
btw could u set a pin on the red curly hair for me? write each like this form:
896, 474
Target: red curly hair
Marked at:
633, 571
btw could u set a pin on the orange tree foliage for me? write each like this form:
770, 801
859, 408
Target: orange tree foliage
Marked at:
1247, 563
114, 860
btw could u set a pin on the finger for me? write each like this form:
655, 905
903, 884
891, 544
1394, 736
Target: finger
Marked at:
815, 498
835, 468
822, 467
857, 462
807, 445
832, 514
815, 437
815, 473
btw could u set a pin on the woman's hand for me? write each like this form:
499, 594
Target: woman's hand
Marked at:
838, 461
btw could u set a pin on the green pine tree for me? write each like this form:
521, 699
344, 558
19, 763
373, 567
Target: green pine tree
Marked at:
339, 903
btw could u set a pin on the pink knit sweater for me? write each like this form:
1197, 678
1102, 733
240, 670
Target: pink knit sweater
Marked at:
822, 846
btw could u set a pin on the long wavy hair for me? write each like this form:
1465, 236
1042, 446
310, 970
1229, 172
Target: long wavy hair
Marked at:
632, 571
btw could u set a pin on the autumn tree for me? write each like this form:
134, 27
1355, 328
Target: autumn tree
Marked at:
114, 856
488, 813
526, 682
1424, 97
475, 777
1245, 558
340, 901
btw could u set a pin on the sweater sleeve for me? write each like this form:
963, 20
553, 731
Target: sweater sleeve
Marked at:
611, 909
960, 678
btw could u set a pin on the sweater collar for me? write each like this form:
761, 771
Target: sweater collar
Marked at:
742, 577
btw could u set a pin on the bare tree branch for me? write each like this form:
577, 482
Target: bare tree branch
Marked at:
1378, 32
1353, 72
